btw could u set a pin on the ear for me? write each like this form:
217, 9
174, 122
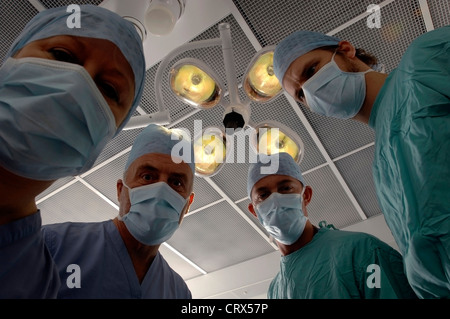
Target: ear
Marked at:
119, 186
190, 201
188, 205
251, 209
347, 49
307, 195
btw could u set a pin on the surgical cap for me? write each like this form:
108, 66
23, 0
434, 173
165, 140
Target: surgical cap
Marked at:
158, 139
96, 22
295, 45
286, 166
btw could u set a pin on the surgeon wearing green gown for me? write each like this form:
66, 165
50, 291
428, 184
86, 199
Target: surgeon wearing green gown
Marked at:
318, 262
409, 110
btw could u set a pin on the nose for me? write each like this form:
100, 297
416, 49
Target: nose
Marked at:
92, 68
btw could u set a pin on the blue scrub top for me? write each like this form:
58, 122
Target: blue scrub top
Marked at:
27, 269
103, 266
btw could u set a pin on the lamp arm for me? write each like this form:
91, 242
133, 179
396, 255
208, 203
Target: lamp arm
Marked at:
230, 69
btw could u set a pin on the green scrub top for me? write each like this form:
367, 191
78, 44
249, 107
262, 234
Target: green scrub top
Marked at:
411, 168
341, 265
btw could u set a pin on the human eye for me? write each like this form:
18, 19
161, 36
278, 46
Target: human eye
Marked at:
63, 55
109, 91
300, 96
310, 71
286, 189
147, 178
177, 184
262, 196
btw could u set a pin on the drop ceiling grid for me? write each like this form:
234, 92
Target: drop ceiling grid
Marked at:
270, 21
440, 12
356, 170
12, 10
59, 3
181, 266
76, 203
217, 237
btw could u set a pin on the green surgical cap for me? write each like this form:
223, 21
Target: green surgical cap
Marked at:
295, 45
95, 22
284, 165
159, 139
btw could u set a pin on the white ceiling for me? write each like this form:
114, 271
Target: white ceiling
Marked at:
220, 249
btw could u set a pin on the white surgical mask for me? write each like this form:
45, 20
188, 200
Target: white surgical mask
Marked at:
335, 93
282, 216
154, 213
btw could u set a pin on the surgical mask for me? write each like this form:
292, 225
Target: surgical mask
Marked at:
282, 216
335, 93
54, 121
154, 213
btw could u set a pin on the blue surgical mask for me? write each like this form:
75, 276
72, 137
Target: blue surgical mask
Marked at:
54, 121
282, 216
154, 213
335, 93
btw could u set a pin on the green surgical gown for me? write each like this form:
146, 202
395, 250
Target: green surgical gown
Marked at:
341, 265
411, 168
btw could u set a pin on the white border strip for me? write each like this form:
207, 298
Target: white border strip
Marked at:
426, 15
185, 259
38, 5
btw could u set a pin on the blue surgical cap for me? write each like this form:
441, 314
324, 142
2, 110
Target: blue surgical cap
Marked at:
286, 166
96, 22
159, 139
295, 45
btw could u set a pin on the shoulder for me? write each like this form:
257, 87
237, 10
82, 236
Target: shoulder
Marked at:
425, 48
73, 226
57, 232
357, 240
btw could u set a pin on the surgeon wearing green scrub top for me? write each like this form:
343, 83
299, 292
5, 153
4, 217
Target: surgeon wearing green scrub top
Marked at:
409, 109
319, 262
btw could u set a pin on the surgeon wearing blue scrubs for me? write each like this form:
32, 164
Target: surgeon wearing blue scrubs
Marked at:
318, 262
120, 258
409, 109
64, 94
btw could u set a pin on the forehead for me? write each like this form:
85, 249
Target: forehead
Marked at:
273, 181
86, 46
162, 163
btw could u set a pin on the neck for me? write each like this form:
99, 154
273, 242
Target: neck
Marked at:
141, 255
18, 196
374, 83
305, 238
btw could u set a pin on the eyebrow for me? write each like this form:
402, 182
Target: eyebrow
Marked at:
75, 39
278, 184
147, 167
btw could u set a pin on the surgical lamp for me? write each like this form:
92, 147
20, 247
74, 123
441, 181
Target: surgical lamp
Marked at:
195, 83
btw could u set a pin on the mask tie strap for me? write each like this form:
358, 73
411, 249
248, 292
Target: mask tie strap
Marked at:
323, 224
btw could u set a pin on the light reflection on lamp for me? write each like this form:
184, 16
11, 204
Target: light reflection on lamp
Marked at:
260, 83
271, 137
194, 83
210, 151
